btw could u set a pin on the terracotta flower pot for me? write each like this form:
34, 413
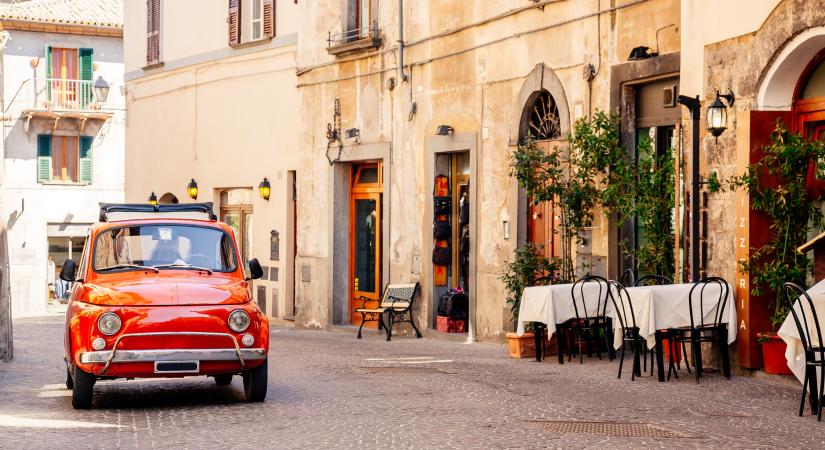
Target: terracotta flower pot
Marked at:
773, 355
523, 346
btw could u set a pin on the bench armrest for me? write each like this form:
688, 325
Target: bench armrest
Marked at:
365, 300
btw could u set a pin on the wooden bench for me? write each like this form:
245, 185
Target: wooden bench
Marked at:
396, 302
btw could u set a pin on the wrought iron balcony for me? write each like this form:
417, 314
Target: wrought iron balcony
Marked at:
56, 98
355, 40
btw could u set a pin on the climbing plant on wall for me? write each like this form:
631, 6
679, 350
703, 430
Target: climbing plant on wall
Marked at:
594, 169
776, 187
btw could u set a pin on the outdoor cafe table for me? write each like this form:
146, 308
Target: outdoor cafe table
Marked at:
548, 306
662, 307
795, 353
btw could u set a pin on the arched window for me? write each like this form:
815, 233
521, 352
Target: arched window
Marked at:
542, 115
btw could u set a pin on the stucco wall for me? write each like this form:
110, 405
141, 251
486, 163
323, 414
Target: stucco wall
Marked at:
469, 79
225, 117
30, 206
190, 28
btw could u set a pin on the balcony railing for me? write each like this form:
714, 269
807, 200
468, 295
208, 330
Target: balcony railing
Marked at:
354, 40
54, 97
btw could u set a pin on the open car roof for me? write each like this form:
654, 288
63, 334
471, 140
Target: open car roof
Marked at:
110, 212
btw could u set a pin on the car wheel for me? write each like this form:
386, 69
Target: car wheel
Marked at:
254, 383
69, 381
223, 379
83, 389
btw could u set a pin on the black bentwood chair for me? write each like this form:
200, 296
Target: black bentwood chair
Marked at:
814, 349
661, 280
628, 278
630, 332
653, 280
701, 330
585, 325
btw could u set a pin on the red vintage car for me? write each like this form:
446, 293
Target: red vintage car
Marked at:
161, 291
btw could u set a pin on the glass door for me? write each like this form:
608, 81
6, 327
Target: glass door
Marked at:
365, 240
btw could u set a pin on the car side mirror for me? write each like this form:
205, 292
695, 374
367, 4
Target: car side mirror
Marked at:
255, 270
67, 272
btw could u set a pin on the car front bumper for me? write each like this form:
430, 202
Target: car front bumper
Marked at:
127, 356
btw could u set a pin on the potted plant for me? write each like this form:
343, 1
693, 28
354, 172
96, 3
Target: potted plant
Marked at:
776, 184
527, 266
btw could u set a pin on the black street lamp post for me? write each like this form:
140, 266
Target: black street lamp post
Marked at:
695, 107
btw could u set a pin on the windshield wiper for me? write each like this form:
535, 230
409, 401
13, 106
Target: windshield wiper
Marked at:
183, 266
127, 266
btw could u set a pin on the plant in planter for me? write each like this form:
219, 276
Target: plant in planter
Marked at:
527, 266
776, 186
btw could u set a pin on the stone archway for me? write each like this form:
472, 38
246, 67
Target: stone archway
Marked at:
778, 84
540, 79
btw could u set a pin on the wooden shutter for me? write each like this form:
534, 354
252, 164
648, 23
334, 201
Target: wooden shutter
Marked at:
86, 67
152, 32
234, 22
48, 72
269, 18
85, 166
44, 158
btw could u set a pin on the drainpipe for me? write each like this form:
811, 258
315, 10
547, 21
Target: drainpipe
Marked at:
401, 74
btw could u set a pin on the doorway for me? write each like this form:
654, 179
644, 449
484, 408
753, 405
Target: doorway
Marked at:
365, 238
236, 211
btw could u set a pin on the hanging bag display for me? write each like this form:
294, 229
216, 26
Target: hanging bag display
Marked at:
441, 230
442, 205
441, 256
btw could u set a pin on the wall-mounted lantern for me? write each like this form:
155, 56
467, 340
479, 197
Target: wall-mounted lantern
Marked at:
101, 88
718, 114
192, 189
264, 189
353, 133
153, 199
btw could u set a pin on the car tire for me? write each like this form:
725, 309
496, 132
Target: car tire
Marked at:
69, 381
83, 389
255, 382
223, 379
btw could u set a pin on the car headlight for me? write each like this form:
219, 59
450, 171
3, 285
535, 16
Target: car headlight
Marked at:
108, 323
238, 321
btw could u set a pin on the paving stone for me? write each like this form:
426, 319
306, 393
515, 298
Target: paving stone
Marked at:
330, 390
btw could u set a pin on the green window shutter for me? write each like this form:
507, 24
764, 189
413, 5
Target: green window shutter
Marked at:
48, 72
44, 158
86, 159
86, 67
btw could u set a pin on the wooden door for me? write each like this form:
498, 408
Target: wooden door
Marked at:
365, 239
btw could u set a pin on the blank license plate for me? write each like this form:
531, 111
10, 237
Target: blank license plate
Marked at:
177, 366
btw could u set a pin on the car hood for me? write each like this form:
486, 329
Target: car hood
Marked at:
168, 291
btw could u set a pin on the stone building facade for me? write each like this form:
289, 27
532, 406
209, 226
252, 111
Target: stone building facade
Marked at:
398, 93
768, 58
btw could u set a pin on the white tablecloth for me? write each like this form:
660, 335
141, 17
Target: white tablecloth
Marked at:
551, 305
667, 306
795, 353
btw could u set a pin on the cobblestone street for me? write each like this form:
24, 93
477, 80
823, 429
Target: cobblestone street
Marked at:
327, 389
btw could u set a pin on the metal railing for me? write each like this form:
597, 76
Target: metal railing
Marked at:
355, 34
59, 95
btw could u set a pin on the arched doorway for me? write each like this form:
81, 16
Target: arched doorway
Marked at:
809, 99
168, 199
540, 122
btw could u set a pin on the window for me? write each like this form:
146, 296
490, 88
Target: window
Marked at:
152, 32
159, 245
69, 77
64, 159
358, 20
251, 21
257, 23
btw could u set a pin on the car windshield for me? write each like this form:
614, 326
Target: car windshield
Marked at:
164, 246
